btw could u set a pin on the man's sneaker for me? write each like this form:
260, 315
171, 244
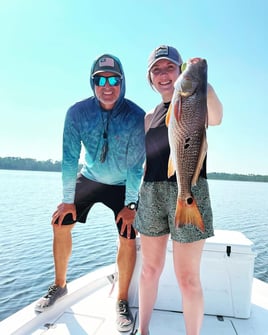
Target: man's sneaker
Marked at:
124, 318
54, 293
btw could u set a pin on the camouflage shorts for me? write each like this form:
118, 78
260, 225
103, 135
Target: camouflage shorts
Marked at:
157, 205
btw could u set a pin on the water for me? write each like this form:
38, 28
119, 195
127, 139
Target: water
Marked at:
28, 198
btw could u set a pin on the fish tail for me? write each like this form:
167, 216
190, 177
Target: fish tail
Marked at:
187, 212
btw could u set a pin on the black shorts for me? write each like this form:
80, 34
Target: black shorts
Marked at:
88, 192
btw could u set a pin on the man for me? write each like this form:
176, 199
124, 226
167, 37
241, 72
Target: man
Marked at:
111, 129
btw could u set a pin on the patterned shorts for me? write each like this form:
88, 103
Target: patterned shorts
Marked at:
156, 212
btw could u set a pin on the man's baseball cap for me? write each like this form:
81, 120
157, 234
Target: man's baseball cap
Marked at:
106, 63
164, 52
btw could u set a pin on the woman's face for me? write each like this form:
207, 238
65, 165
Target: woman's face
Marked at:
163, 75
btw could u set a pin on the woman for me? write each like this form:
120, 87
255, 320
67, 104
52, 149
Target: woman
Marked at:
157, 204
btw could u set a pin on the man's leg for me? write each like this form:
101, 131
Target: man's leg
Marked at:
62, 249
126, 259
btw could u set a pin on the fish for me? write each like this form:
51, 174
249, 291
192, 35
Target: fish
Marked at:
187, 120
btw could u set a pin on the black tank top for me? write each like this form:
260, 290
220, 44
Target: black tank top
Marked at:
157, 148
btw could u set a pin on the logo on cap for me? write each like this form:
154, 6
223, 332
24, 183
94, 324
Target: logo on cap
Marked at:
106, 61
161, 51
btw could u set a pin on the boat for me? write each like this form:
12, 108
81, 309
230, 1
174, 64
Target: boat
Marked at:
236, 303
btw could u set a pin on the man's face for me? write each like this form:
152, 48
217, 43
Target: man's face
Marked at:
107, 87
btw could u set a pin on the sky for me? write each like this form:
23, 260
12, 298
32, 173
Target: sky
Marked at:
48, 46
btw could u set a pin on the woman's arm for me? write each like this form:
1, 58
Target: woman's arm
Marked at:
215, 109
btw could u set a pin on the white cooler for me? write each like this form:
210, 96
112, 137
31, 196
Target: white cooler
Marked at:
227, 268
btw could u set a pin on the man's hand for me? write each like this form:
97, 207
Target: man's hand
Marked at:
62, 210
127, 216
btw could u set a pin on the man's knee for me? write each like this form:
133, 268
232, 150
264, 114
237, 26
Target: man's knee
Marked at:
62, 230
127, 243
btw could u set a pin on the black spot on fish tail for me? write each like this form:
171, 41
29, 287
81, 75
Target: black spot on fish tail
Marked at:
189, 201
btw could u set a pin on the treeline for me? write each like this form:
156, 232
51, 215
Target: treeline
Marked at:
235, 176
17, 163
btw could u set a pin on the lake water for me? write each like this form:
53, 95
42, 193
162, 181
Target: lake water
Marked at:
28, 198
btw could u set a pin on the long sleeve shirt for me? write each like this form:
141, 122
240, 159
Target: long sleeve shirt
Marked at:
84, 126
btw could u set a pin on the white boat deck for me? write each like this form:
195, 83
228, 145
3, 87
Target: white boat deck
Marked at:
89, 309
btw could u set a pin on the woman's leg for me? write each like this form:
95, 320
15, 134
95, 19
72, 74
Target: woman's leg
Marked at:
187, 257
153, 251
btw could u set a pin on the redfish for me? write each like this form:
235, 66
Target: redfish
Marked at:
187, 121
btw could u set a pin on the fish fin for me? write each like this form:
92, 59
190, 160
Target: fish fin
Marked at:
202, 155
178, 108
168, 114
171, 169
188, 214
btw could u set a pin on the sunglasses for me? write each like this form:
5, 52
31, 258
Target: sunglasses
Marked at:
101, 81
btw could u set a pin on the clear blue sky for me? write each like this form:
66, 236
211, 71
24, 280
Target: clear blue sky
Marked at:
48, 46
